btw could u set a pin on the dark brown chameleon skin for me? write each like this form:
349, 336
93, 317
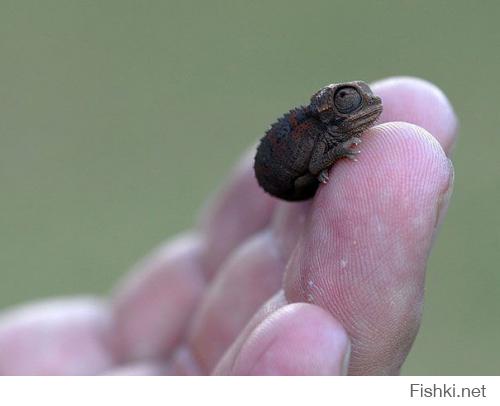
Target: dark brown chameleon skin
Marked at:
294, 156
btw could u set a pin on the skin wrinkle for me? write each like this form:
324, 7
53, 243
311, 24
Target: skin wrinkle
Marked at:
396, 249
369, 322
392, 308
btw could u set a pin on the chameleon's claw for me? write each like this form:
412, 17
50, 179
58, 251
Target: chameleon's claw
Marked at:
351, 142
348, 151
353, 154
323, 176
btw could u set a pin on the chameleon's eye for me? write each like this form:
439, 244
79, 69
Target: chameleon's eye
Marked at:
347, 100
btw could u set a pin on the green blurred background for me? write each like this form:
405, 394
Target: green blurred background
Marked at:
117, 118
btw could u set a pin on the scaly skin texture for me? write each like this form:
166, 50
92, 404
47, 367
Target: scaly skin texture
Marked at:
294, 156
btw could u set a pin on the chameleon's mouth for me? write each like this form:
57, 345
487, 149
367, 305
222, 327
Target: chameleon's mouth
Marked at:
365, 119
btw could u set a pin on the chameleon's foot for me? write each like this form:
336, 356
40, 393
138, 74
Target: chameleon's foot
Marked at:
353, 141
347, 150
323, 176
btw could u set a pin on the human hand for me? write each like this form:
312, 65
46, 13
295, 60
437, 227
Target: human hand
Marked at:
328, 286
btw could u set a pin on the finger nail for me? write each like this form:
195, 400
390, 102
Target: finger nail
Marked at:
444, 198
346, 360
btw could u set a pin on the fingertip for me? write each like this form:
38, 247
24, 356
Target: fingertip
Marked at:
297, 339
151, 307
56, 337
419, 102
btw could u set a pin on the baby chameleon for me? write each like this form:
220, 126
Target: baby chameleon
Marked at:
294, 156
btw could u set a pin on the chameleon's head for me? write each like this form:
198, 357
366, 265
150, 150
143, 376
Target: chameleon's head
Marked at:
351, 106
